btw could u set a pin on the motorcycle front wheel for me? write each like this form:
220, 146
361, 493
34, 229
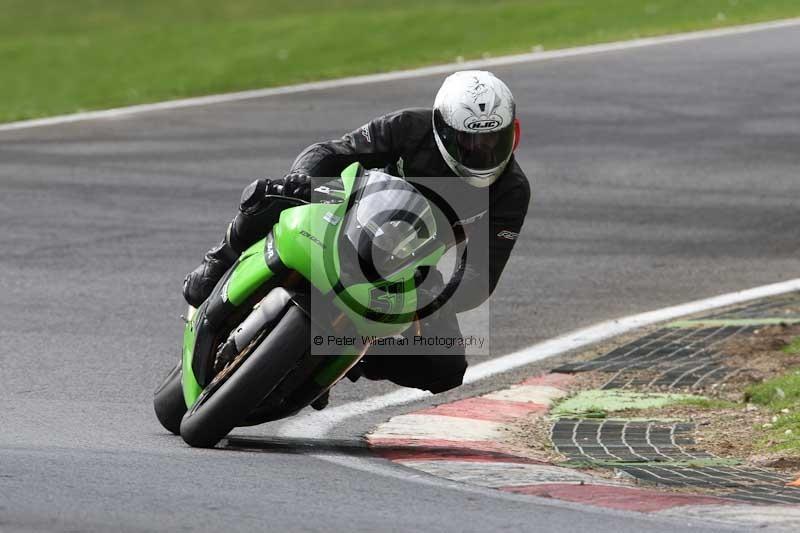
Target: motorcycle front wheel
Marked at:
168, 401
252, 375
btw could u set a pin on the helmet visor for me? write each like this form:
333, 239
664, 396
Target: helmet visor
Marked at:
478, 151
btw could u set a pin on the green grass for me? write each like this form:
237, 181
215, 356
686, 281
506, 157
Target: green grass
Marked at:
781, 396
793, 347
778, 393
60, 57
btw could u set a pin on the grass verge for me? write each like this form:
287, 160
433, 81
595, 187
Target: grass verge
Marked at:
61, 57
793, 347
781, 396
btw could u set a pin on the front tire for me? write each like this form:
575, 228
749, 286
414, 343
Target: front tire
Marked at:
168, 401
227, 400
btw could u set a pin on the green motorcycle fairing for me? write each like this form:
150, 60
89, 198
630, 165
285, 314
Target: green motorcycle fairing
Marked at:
306, 239
191, 388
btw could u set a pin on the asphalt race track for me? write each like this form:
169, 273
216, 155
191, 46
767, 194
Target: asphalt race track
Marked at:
661, 175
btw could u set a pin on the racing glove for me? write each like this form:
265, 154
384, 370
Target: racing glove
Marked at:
296, 185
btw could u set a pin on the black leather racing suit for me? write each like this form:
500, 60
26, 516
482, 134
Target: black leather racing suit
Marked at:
403, 143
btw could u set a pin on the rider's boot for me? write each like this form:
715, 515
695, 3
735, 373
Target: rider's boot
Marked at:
201, 281
256, 212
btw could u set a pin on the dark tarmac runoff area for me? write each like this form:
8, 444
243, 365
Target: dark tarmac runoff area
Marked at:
660, 175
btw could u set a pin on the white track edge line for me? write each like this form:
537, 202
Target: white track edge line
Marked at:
399, 74
319, 424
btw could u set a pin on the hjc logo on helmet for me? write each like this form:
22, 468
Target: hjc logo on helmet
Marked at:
479, 125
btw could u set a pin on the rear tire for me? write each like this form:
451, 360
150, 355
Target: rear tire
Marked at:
221, 408
169, 403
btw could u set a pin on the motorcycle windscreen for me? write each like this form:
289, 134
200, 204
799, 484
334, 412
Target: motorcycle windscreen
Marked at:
389, 225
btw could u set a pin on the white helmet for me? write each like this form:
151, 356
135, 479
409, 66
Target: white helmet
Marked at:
475, 126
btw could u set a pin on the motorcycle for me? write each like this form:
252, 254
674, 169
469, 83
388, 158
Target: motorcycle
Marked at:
356, 256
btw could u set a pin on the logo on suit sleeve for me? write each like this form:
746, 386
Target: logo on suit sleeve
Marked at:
510, 235
365, 133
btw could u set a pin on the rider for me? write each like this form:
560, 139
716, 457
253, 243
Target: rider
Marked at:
471, 132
